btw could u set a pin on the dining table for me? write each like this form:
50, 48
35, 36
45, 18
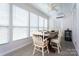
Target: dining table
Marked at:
49, 36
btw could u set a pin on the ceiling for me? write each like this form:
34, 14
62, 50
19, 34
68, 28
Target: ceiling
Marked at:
41, 6
61, 7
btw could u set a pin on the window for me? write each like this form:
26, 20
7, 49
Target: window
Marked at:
20, 23
32, 30
4, 14
20, 16
33, 23
41, 28
41, 21
4, 35
20, 33
33, 20
45, 24
4, 23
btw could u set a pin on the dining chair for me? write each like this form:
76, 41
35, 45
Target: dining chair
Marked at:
57, 42
40, 44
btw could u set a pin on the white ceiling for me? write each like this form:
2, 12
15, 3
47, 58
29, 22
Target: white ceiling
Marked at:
41, 6
62, 7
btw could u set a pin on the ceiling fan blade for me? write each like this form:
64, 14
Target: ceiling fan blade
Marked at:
52, 6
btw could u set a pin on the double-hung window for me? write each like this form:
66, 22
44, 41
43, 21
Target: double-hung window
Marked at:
33, 23
4, 23
20, 23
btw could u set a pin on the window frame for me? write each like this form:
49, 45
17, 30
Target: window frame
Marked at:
10, 26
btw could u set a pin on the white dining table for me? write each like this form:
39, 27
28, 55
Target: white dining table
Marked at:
40, 33
43, 34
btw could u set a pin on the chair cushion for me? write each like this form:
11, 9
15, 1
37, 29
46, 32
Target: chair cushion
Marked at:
55, 40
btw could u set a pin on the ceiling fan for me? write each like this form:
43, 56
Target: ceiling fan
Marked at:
56, 7
52, 6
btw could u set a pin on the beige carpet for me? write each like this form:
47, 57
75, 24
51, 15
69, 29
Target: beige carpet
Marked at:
67, 50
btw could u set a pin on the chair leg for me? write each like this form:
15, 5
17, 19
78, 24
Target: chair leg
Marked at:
42, 51
47, 49
58, 48
34, 50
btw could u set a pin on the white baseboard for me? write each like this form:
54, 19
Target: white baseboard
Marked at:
76, 47
2, 54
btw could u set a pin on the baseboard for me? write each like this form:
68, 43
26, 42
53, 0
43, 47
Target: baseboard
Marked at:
3, 54
76, 50
75, 47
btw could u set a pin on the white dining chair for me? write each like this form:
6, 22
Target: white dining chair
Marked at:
57, 42
40, 44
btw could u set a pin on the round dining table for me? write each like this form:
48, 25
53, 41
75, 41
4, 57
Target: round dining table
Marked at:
49, 36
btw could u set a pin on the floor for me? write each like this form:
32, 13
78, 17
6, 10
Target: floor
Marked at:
67, 50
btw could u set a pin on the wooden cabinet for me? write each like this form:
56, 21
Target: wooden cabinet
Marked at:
68, 35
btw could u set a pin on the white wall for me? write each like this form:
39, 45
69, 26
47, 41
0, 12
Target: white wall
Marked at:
67, 21
76, 28
62, 23
52, 20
